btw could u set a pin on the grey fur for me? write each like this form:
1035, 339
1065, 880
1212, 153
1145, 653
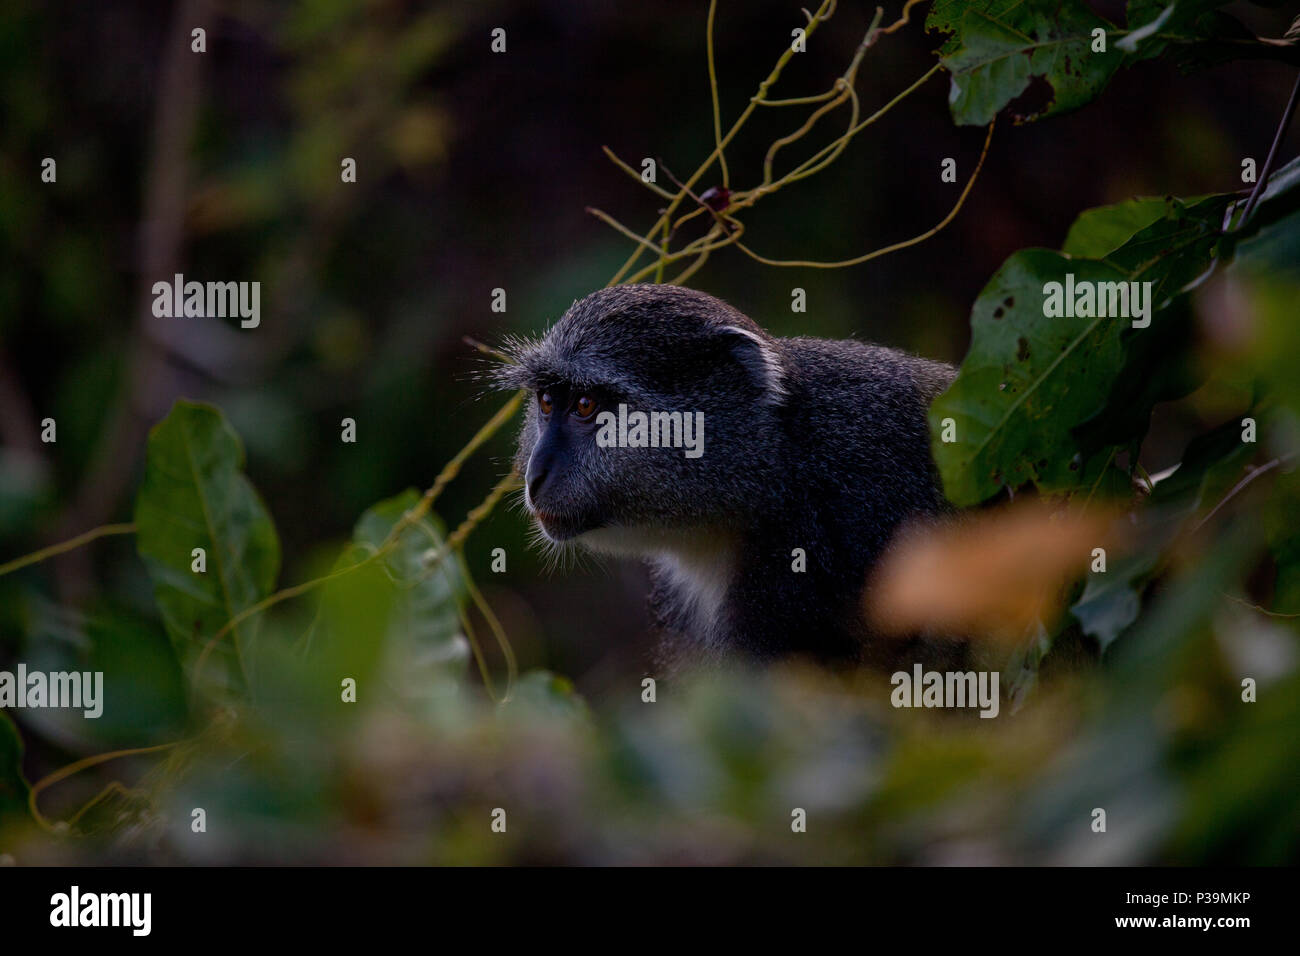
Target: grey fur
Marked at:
810, 443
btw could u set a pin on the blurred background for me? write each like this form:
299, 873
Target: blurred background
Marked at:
473, 173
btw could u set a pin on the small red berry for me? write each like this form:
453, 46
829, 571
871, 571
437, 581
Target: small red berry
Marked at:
716, 198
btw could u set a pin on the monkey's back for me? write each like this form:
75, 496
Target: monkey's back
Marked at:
855, 453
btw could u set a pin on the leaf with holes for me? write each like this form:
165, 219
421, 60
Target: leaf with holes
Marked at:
1040, 51
1038, 397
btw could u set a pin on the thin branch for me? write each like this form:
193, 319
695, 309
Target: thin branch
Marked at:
613, 223
653, 187
798, 100
1255, 607
35, 557
713, 91
903, 20
866, 257
64, 772
1260, 183
1261, 470
494, 624
815, 163
823, 13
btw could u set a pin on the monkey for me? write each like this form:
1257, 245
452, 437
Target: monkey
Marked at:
814, 453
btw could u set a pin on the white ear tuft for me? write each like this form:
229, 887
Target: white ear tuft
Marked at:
761, 360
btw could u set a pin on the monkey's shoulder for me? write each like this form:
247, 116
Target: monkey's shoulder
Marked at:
861, 391
846, 364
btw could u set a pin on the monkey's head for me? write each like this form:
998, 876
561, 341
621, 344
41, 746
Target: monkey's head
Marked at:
610, 449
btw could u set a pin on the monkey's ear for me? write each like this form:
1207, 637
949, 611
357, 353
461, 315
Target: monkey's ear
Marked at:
760, 360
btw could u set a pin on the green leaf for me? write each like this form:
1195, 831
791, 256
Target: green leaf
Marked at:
424, 633
1274, 249
194, 495
1026, 382
1038, 397
1193, 34
1100, 231
1210, 465
142, 698
1037, 58
997, 48
1152, 24
144, 690
13, 786
1110, 601
542, 696
391, 624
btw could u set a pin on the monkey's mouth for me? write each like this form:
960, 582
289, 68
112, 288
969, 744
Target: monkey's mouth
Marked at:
560, 527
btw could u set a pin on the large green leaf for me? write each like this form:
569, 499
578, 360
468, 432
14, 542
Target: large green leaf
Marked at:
1174, 252
1037, 396
1038, 58
194, 495
997, 48
1026, 382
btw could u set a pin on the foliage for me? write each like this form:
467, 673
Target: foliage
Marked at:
997, 50
252, 684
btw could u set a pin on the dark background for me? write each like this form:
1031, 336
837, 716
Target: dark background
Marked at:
473, 173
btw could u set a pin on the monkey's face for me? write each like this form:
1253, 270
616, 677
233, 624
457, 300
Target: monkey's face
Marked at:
563, 472
646, 411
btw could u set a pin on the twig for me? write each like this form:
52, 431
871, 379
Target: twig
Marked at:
64, 772
1256, 607
713, 91
903, 20
887, 249
102, 531
823, 13
1262, 469
1260, 183
653, 187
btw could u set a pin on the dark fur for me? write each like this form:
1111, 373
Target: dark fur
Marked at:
809, 443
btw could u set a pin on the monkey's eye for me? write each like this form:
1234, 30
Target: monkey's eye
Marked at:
544, 402
585, 406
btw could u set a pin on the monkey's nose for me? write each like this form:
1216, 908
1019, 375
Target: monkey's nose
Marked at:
536, 478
